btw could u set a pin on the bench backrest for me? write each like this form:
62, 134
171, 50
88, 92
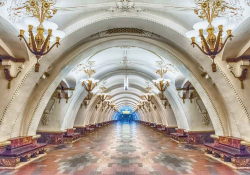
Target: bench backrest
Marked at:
181, 131
231, 142
20, 141
70, 131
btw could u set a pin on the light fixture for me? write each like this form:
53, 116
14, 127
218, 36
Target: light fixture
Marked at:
90, 83
211, 11
38, 12
126, 112
2, 2
247, 2
126, 83
161, 83
148, 96
103, 96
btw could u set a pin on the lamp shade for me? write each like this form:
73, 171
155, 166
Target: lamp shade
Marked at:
31, 21
52, 39
58, 33
167, 80
22, 26
230, 26
192, 33
83, 80
219, 21
50, 25
200, 25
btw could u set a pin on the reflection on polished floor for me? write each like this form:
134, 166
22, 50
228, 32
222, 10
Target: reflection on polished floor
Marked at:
125, 149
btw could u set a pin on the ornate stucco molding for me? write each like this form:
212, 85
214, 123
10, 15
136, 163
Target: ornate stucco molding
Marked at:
12, 67
45, 118
239, 67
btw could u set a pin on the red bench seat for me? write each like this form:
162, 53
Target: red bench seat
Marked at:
21, 149
229, 149
180, 136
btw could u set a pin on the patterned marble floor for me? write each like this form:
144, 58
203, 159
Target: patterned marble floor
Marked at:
125, 149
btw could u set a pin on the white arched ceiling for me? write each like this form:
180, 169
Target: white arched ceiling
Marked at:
24, 102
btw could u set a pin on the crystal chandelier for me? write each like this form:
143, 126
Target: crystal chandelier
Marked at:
90, 83
103, 96
161, 83
36, 27
2, 2
211, 11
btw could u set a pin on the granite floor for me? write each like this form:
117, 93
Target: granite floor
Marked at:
125, 149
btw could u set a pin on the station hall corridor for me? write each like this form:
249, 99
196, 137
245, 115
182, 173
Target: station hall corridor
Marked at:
125, 149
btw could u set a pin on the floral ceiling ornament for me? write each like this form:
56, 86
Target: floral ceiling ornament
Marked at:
125, 6
221, 8
125, 60
20, 9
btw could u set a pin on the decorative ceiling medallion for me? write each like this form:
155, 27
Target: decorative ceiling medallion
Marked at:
125, 60
125, 6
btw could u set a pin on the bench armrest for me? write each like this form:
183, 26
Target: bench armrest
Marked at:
6, 143
245, 143
214, 136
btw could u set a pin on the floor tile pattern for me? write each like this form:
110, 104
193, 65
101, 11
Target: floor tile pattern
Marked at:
125, 149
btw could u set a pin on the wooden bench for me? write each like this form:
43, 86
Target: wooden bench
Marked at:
21, 149
98, 125
229, 150
160, 127
180, 136
152, 125
71, 136
89, 128
170, 129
